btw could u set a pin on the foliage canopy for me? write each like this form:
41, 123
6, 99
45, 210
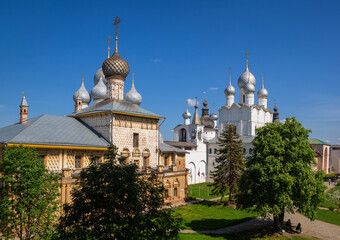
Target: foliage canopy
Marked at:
28, 195
112, 200
279, 176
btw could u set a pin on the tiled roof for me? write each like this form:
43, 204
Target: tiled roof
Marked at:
52, 130
116, 106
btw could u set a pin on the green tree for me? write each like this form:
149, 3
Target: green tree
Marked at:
29, 200
112, 200
279, 176
230, 163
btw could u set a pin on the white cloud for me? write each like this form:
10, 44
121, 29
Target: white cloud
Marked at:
328, 141
191, 102
214, 88
156, 60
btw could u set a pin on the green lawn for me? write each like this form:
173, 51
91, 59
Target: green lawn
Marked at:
328, 204
237, 236
328, 216
211, 215
201, 190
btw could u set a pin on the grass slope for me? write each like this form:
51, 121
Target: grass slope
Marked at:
211, 215
328, 216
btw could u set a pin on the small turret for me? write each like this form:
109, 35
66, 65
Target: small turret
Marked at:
262, 95
229, 92
78, 105
23, 109
186, 115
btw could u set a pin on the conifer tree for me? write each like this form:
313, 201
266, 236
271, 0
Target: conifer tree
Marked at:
29, 193
230, 162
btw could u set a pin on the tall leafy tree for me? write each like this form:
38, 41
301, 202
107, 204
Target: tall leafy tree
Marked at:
28, 195
279, 176
112, 200
230, 162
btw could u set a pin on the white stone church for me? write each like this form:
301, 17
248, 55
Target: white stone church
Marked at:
200, 136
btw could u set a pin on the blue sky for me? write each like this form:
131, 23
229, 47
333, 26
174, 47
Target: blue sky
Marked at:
177, 50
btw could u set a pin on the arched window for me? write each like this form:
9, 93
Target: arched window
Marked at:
183, 135
210, 151
250, 151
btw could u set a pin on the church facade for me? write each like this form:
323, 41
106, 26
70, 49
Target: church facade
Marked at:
67, 143
202, 134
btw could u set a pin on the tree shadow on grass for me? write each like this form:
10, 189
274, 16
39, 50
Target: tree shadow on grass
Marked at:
214, 224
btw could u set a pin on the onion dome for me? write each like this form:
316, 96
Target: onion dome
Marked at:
207, 122
246, 77
115, 66
186, 114
97, 76
205, 109
229, 90
213, 116
132, 96
98, 92
249, 88
262, 93
275, 108
82, 93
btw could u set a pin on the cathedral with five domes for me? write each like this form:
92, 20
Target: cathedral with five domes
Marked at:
200, 137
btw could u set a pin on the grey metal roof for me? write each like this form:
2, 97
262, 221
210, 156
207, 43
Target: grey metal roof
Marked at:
116, 106
180, 144
52, 130
163, 147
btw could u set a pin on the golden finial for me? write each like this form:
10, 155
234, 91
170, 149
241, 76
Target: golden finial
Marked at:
82, 79
262, 79
23, 94
196, 106
205, 95
108, 46
229, 75
116, 23
133, 78
247, 53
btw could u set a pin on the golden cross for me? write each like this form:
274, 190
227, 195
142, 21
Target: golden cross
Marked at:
23, 93
116, 23
205, 95
133, 77
82, 79
246, 53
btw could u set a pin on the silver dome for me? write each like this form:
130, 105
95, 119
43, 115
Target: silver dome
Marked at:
186, 114
133, 96
230, 90
98, 92
246, 77
82, 93
249, 88
213, 116
262, 93
97, 76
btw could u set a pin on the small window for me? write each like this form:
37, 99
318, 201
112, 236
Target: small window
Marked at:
215, 151
250, 151
167, 193
210, 151
244, 150
77, 162
135, 140
175, 192
165, 161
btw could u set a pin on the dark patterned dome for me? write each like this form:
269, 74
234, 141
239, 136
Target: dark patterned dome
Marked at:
115, 67
207, 122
